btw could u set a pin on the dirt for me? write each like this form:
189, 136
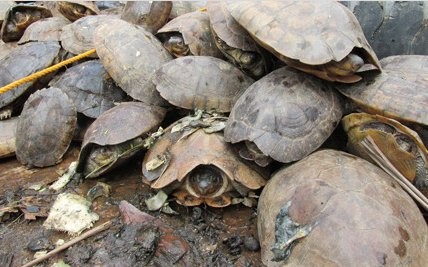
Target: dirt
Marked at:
197, 236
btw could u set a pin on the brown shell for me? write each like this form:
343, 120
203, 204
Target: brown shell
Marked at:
287, 114
201, 82
23, 61
43, 30
409, 67
131, 55
227, 29
198, 148
7, 137
13, 27
74, 10
350, 212
390, 95
78, 37
45, 128
195, 29
313, 32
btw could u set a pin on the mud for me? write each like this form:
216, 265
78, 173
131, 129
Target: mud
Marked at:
215, 237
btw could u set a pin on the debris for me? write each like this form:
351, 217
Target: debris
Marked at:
100, 189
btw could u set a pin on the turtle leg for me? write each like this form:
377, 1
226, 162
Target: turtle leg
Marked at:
219, 202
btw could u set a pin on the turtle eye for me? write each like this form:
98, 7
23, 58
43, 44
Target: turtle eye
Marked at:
206, 180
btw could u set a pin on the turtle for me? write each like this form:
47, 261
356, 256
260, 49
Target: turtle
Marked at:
74, 10
336, 209
19, 63
115, 136
131, 55
287, 114
48, 29
201, 82
7, 137
189, 34
45, 128
409, 67
400, 145
18, 18
234, 41
151, 15
78, 36
197, 167
182, 7
90, 87
5, 48
319, 37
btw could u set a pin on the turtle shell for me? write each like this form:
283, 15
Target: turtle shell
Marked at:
78, 37
409, 67
45, 128
23, 61
4, 6
335, 209
90, 87
182, 7
288, 114
131, 55
195, 29
18, 18
151, 15
48, 29
185, 151
309, 32
7, 137
5, 48
201, 82
74, 10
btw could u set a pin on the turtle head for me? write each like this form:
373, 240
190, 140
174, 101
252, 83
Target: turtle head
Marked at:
176, 46
206, 181
347, 66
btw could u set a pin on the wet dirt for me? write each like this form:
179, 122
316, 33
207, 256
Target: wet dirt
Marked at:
215, 237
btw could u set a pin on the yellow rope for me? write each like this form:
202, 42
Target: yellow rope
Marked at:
41, 73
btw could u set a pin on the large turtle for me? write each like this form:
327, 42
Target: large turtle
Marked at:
116, 135
90, 88
189, 34
74, 10
131, 55
287, 114
48, 29
335, 209
319, 37
45, 128
201, 82
7, 137
199, 167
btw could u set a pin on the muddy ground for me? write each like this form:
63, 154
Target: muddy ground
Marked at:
197, 236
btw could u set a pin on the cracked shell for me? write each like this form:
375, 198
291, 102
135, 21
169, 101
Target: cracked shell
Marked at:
335, 209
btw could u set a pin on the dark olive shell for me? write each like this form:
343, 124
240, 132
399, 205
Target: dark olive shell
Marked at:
90, 88
195, 29
335, 209
131, 55
48, 29
150, 15
74, 10
288, 114
23, 61
18, 18
7, 137
45, 128
78, 37
201, 82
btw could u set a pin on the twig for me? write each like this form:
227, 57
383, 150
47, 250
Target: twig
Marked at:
73, 241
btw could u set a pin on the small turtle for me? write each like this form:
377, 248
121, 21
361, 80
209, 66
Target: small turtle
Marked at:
335, 209
402, 147
48, 29
201, 82
19, 63
199, 167
74, 10
7, 137
18, 18
78, 37
151, 15
131, 55
319, 37
288, 114
45, 128
189, 34
234, 41
90, 88
115, 136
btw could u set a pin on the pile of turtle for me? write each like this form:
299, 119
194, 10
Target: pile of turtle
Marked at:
233, 103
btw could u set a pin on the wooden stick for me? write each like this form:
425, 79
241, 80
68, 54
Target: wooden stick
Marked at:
73, 241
